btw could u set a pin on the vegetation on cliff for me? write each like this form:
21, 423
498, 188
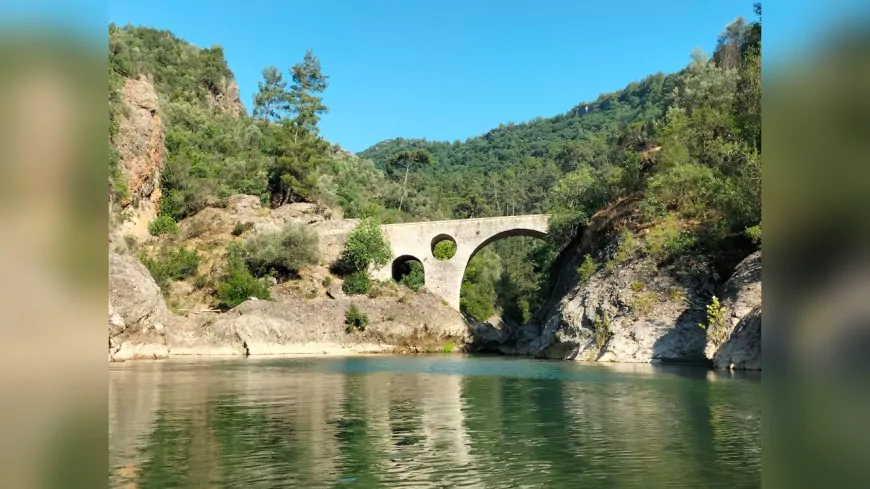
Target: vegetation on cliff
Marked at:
685, 146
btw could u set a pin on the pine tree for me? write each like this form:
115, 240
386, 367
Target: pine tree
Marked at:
292, 116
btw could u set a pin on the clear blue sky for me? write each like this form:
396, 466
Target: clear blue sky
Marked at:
449, 69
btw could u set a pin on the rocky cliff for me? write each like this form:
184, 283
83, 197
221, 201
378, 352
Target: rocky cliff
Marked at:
634, 312
141, 155
226, 99
737, 345
638, 307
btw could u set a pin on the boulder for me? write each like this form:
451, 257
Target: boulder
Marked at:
487, 336
244, 206
137, 311
304, 212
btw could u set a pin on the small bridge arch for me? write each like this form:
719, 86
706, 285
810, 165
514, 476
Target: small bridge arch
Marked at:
444, 277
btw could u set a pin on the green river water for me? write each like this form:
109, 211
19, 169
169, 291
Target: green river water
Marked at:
430, 421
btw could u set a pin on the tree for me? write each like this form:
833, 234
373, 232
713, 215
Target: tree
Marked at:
284, 252
365, 245
297, 156
408, 159
271, 101
727, 54
294, 142
305, 105
238, 285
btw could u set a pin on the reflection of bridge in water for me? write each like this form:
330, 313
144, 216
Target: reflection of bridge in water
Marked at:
430, 421
416, 241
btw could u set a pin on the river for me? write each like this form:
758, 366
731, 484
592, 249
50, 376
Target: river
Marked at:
430, 421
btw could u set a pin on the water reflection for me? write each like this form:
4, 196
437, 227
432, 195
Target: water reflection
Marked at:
430, 422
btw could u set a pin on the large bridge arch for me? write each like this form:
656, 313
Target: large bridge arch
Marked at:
510, 233
444, 277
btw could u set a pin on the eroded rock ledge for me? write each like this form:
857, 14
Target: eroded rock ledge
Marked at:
741, 297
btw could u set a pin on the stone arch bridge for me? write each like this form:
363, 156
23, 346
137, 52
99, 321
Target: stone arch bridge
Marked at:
416, 240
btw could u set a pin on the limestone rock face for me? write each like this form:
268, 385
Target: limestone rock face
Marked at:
739, 345
137, 313
247, 209
139, 142
489, 335
301, 211
244, 205
641, 315
227, 99
258, 327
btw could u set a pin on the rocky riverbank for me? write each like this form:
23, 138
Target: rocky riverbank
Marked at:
630, 310
634, 306
399, 321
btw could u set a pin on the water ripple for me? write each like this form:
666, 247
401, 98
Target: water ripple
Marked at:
430, 422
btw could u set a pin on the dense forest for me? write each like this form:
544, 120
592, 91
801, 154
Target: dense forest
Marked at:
686, 146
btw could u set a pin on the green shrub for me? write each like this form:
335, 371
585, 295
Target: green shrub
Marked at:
356, 283
478, 294
754, 233
695, 191
637, 286
627, 246
366, 245
131, 242
643, 304
477, 304
284, 252
666, 240
238, 285
355, 319
447, 348
201, 281
327, 282
171, 263
122, 190
601, 330
414, 279
196, 228
163, 225
240, 228
444, 250
715, 321
586, 269
375, 290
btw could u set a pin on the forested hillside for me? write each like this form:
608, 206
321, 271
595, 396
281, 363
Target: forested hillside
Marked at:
702, 123
686, 146
215, 149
